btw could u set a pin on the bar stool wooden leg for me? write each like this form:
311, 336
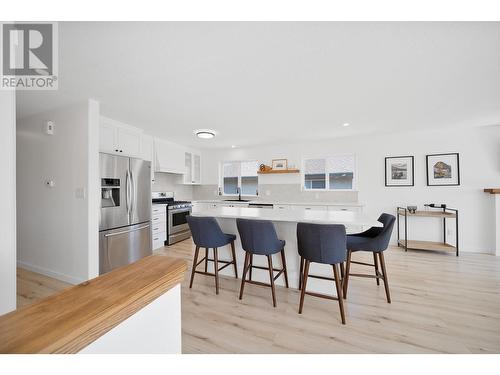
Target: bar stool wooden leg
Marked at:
347, 269
339, 292
216, 270
375, 262
283, 262
271, 276
250, 262
206, 259
195, 261
384, 271
245, 269
234, 260
301, 272
304, 285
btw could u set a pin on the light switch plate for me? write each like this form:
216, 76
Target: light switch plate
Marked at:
80, 193
49, 127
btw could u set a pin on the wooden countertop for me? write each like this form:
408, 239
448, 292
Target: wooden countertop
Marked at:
72, 319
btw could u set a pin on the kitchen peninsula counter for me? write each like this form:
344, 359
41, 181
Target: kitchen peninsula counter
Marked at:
108, 314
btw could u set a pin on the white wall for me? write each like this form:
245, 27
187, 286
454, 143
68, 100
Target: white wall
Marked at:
57, 227
479, 150
94, 198
8, 202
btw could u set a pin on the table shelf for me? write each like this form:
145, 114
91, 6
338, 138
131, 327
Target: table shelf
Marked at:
427, 245
444, 213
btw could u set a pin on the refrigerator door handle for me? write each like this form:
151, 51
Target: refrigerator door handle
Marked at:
126, 231
133, 198
127, 191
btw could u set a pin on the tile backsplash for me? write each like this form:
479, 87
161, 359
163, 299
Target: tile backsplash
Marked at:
172, 182
282, 193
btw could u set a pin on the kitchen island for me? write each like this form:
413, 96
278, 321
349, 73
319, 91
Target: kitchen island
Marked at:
133, 309
285, 223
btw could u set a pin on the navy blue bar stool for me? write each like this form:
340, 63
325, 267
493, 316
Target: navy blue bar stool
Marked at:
326, 244
207, 233
259, 237
375, 240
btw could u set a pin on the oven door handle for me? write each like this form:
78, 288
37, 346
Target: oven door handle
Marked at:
177, 210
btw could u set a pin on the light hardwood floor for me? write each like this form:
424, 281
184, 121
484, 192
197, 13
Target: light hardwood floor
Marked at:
440, 304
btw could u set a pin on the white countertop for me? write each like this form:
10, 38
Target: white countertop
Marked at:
312, 216
316, 203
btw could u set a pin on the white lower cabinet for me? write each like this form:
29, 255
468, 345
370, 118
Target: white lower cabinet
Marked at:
309, 208
159, 240
282, 207
345, 208
229, 204
159, 225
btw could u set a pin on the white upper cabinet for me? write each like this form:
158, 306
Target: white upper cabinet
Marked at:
125, 140
197, 168
192, 165
147, 147
107, 138
118, 138
169, 157
188, 164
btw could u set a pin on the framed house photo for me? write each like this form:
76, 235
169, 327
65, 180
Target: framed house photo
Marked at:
280, 164
399, 171
443, 169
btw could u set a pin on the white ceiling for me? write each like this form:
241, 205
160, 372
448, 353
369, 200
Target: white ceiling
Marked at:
257, 82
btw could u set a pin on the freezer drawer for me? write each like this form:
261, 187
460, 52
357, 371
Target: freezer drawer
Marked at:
122, 246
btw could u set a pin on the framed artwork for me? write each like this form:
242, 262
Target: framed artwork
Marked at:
399, 171
280, 164
443, 170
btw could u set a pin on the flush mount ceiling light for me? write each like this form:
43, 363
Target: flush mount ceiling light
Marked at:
345, 125
205, 133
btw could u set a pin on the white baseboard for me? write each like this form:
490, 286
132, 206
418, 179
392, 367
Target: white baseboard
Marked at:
50, 273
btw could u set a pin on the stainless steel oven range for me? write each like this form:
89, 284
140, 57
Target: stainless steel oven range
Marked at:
177, 211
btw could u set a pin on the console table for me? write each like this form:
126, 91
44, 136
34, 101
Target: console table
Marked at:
443, 213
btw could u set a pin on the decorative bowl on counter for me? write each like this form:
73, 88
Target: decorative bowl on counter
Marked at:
412, 209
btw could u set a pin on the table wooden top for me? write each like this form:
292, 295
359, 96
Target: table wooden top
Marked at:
72, 319
492, 191
428, 213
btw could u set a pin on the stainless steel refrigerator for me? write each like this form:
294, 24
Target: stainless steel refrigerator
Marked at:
125, 217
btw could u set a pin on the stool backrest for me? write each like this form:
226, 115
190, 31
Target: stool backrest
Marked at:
382, 236
258, 236
322, 243
206, 231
